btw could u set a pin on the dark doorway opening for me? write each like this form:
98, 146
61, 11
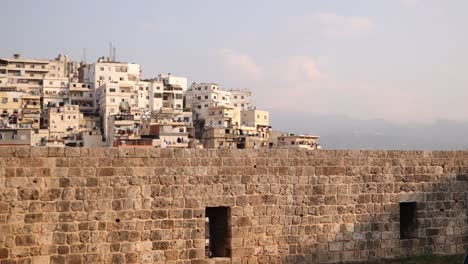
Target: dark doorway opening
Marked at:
408, 221
217, 232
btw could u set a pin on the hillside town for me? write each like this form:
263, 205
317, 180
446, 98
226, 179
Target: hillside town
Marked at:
60, 102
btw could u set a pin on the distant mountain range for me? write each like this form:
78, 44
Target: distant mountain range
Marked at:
341, 132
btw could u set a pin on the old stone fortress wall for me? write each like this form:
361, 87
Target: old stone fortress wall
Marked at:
107, 205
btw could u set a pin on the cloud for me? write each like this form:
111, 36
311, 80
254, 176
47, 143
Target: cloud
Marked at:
302, 68
238, 62
333, 25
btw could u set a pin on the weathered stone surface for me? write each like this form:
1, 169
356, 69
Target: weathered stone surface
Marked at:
106, 205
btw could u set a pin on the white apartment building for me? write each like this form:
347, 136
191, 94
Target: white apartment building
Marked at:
169, 79
82, 94
201, 96
259, 120
54, 91
107, 71
113, 97
241, 98
27, 75
255, 118
223, 116
298, 142
63, 120
170, 128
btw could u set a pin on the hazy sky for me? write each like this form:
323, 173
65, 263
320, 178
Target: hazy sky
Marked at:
401, 60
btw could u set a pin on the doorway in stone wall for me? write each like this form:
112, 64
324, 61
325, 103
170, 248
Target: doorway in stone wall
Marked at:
217, 232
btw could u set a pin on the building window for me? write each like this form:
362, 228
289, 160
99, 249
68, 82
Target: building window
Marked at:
51, 83
206, 96
121, 78
217, 232
4, 100
112, 90
408, 221
101, 68
15, 100
235, 96
242, 97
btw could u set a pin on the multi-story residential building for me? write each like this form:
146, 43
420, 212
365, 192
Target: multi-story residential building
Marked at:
217, 137
298, 142
114, 98
63, 121
10, 107
82, 94
241, 98
108, 71
223, 116
169, 79
258, 119
27, 75
54, 92
30, 110
169, 128
201, 96
124, 130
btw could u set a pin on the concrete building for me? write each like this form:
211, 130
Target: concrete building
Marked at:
114, 98
241, 98
54, 91
219, 138
223, 116
10, 107
108, 71
169, 79
82, 94
169, 128
27, 75
63, 121
16, 136
201, 96
298, 142
258, 119
30, 110
123, 130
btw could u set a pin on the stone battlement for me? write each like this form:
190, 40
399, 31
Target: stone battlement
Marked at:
126, 205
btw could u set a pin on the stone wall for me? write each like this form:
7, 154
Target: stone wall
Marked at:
107, 205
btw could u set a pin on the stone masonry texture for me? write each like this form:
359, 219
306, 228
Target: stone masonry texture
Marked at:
107, 205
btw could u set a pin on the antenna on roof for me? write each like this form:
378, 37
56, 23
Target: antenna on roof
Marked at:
84, 55
110, 50
113, 55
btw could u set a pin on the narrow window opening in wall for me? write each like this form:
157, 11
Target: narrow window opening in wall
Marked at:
217, 232
408, 222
